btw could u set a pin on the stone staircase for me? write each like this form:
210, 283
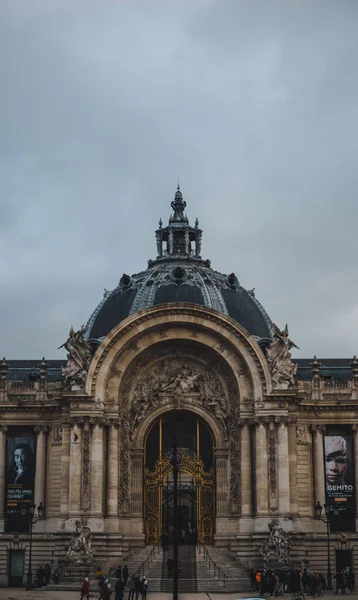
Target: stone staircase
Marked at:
196, 575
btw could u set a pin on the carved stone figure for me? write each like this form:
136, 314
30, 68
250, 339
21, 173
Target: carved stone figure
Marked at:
276, 550
283, 370
78, 358
186, 240
171, 242
79, 549
171, 378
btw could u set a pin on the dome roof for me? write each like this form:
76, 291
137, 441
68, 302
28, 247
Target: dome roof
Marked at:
179, 274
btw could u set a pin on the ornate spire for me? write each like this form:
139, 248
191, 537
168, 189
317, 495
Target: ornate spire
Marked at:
178, 205
178, 240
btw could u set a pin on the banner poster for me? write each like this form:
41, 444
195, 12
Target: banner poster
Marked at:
20, 473
339, 471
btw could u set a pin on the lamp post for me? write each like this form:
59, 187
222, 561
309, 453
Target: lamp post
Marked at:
330, 511
28, 511
174, 461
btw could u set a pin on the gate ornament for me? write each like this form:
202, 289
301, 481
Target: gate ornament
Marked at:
170, 378
276, 550
283, 370
78, 358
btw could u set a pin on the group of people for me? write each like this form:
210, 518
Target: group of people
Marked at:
134, 584
276, 583
44, 574
345, 580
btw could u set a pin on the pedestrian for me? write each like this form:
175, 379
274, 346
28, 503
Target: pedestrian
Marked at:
118, 572
47, 573
85, 590
144, 586
105, 588
170, 563
137, 587
119, 589
131, 588
125, 574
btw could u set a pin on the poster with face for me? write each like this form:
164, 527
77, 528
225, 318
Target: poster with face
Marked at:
339, 473
20, 477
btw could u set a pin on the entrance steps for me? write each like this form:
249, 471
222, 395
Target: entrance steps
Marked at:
195, 574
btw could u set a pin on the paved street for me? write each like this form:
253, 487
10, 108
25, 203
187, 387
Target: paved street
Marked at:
21, 594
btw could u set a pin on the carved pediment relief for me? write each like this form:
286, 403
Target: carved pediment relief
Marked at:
178, 379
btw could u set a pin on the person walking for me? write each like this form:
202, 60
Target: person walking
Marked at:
137, 587
118, 572
131, 588
119, 589
125, 574
170, 564
85, 590
144, 587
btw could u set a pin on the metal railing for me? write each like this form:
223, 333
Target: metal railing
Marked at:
155, 551
211, 564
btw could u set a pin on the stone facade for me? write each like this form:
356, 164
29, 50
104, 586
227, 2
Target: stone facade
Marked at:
266, 417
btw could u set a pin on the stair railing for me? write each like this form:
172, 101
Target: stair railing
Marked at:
218, 571
155, 551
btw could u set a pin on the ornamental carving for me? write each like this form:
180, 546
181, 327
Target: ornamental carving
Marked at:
175, 379
271, 439
123, 500
78, 359
283, 370
85, 499
235, 472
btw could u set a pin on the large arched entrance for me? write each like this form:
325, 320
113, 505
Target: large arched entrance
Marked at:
196, 481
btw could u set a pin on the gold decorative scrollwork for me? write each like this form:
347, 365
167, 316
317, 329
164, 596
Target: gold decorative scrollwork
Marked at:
205, 497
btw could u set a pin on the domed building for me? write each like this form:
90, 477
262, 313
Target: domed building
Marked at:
263, 441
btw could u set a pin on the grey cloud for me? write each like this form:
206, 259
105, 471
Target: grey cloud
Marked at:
253, 103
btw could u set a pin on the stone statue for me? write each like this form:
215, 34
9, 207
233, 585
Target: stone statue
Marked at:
79, 549
276, 550
198, 245
78, 358
186, 240
171, 242
283, 370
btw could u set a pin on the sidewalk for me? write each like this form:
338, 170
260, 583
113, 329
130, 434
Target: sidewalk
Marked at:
21, 594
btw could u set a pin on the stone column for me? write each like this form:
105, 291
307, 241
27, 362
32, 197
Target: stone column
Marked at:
75, 469
40, 473
97, 469
292, 451
113, 466
318, 464
246, 470
222, 487
3, 430
137, 482
355, 450
261, 476
65, 470
283, 478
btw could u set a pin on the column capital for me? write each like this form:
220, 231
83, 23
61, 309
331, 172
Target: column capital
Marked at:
221, 453
282, 420
41, 429
76, 421
115, 423
355, 427
317, 428
245, 423
3, 428
97, 422
261, 421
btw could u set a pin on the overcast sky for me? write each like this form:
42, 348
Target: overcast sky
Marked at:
255, 105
